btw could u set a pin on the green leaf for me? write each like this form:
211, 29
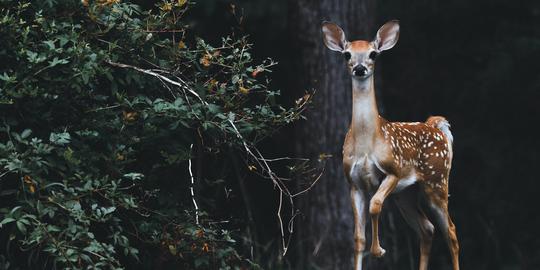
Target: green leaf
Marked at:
21, 227
49, 44
15, 209
214, 109
57, 61
134, 176
26, 133
235, 79
86, 77
9, 79
60, 138
6, 221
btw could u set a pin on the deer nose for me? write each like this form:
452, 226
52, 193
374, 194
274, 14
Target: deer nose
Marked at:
359, 70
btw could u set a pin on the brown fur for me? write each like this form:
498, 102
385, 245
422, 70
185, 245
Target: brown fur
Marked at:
359, 45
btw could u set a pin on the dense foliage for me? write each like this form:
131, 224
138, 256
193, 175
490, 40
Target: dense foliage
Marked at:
103, 108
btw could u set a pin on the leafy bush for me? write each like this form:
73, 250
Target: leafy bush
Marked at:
103, 107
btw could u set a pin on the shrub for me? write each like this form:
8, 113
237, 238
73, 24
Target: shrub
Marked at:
104, 106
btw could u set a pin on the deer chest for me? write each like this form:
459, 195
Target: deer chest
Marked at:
363, 171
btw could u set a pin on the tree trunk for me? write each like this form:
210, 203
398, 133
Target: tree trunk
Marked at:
326, 230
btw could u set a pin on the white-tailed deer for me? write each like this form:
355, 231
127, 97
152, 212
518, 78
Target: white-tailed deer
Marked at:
382, 157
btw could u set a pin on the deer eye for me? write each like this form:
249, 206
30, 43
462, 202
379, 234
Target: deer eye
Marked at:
347, 55
373, 55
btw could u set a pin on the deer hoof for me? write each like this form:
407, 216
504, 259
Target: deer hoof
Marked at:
378, 252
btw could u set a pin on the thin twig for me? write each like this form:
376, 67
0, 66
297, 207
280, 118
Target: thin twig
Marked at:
192, 189
104, 108
57, 245
168, 88
284, 158
182, 84
257, 156
218, 222
261, 161
4, 173
251, 228
311, 186
165, 31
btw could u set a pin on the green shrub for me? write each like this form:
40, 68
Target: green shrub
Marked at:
102, 106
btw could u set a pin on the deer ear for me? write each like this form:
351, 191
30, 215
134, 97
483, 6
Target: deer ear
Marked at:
333, 37
387, 36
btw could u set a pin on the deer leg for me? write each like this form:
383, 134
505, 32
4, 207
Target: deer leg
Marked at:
407, 202
358, 199
375, 207
448, 229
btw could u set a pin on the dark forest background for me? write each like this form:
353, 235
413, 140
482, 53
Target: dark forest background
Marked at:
474, 62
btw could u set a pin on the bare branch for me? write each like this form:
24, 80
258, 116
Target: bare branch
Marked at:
192, 188
181, 83
256, 155
310, 186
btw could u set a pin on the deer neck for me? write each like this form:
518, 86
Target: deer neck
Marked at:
365, 124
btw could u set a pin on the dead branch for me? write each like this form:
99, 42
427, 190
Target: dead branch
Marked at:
180, 83
192, 188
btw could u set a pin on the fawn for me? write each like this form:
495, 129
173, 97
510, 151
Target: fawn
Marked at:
383, 157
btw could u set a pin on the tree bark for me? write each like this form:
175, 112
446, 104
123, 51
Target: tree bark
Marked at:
325, 233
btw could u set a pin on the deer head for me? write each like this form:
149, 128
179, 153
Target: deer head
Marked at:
360, 54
